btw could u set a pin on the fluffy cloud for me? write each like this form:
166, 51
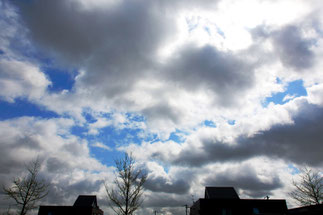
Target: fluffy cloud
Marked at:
294, 50
66, 160
292, 141
164, 69
245, 179
159, 181
21, 79
225, 74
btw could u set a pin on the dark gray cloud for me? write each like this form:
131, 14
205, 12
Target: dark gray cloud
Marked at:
300, 142
293, 49
13, 34
245, 180
11, 164
85, 186
75, 148
118, 45
290, 45
79, 33
65, 192
163, 111
164, 200
115, 45
226, 74
160, 184
55, 165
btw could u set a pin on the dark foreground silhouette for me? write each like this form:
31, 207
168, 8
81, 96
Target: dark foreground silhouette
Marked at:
84, 205
225, 201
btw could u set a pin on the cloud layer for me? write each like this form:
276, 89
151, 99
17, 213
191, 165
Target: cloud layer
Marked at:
200, 93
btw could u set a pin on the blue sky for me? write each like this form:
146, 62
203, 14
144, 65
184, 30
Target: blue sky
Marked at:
293, 89
200, 93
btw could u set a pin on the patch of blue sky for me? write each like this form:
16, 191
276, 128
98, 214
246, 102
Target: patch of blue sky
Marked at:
231, 122
207, 29
106, 157
113, 138
178, 136
118, 136
135, 117
61, 79
220, 31
294, 170
151, 138
80, 131
209, 123
89, 117
192, 23
166, 168
294, 89
22, 107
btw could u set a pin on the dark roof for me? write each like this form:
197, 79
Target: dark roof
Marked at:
84, 205
270, 205
307, 210
239, 206
220, 193
86, 201
63, 210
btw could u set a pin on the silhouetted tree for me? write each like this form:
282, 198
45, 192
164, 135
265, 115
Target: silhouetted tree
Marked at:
27, 190
309, 191
126, 197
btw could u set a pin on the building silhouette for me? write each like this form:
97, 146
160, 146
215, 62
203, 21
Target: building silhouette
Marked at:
225, 201
84, 205
307, 210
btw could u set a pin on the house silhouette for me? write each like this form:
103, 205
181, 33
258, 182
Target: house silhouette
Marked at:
84, 205
307, 210
226, 201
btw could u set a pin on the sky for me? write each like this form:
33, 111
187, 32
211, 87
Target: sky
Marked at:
202, 93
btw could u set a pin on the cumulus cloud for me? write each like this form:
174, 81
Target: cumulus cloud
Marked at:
159, 181
294, 50
163, 69
67, 163
160, 184
137, 30
246, 181
293, 141
225, 74
21, 79
119, 73
84, 36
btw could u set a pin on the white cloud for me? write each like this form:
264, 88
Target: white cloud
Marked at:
21, 79
173, 65
101, 145
67, 163
315, 94
100, 123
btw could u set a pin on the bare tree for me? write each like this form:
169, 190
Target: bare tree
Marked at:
27, 190
309, 191
126, 197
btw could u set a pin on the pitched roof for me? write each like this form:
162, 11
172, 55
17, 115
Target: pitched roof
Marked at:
220, 193
86, 201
